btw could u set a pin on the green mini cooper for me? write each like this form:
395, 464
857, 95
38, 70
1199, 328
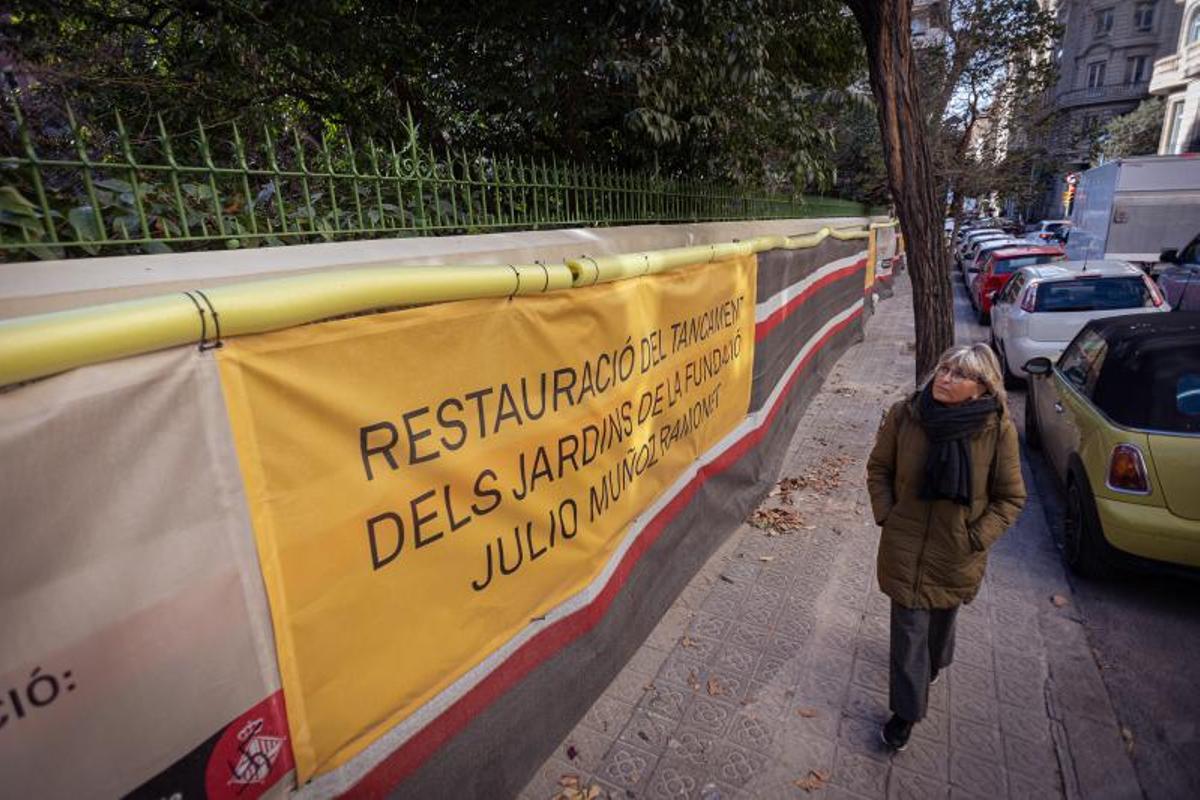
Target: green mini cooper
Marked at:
1118, 417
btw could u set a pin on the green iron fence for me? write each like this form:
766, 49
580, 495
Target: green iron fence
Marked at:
89, 193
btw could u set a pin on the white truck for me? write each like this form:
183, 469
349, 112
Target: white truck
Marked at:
1132, 209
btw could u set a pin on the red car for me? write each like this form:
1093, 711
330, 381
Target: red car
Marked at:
1000, 266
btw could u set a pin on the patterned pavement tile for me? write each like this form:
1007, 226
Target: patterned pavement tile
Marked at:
977, 739
607, 716
734, 658
709, 626
752, 731
683, 670
981, 708
702, 648
867, 704
1030, 758
862, 736
584, 749
870, 675
1029, 725
926, 756
859, 773
935, 726
648, 731
905, 785
748, 635
758, 615
971, 679
1021, 787
691, 745
667, 701
735, 765
629, 686
709, 715
627, 767
974, 774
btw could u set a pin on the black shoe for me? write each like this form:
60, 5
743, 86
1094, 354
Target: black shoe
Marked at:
896, 732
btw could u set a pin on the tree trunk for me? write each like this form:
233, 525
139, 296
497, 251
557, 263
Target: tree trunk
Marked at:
885, 25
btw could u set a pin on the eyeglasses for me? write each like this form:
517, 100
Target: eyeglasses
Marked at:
955, 374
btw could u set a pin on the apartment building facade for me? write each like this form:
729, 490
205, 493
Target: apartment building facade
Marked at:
1105, 60
1177, 79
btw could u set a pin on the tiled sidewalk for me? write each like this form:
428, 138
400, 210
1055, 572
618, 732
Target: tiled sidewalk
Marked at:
768, 677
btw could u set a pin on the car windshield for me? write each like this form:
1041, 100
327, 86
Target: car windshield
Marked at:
1156, 389
1093, 294
1006, 266
1054, 226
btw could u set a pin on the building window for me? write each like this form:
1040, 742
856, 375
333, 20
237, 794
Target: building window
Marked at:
1104, 22
1174, 127
1193, 30
1096, 74
1137, 70
1143, 16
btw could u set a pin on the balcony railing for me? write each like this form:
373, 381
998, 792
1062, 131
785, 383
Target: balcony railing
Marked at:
1167, 75
1190, 63
1094, 95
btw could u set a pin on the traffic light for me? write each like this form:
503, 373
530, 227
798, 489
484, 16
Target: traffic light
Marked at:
1068, 198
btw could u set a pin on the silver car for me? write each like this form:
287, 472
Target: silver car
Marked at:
1041, 308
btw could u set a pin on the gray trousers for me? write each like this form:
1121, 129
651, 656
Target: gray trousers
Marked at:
922, 640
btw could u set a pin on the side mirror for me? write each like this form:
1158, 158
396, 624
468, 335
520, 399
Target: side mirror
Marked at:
1038, 366
1170, 256
992, 297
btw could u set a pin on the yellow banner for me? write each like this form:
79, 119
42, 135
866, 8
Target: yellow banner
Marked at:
425, 483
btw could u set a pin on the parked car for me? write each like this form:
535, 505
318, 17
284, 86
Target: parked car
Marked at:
971, 238
1042, 307
1180, 282
999, 265
974, 256
1118, 417
1049, 230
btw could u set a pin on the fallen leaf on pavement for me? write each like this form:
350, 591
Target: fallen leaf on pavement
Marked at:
572, 752
815, 779
766, 558
778, 520
808, 713
569, 781
693, 681
1059, 600
687, 641
1127, 735
714, 688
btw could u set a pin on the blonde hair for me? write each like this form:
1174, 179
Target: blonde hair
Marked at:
978, 361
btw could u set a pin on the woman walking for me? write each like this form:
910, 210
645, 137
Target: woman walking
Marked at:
945, 483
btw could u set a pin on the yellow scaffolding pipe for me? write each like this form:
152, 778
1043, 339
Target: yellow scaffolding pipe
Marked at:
45, 344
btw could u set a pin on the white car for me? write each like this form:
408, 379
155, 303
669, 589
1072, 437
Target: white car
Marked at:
1042, 307
975, 236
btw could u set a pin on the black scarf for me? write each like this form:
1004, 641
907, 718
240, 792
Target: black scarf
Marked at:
948, 463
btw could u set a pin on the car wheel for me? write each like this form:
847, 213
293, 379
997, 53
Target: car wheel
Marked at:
1033, 435
1084, 548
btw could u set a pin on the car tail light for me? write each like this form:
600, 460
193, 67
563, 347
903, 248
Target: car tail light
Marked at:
1029, 299
1127, 470
1155, 296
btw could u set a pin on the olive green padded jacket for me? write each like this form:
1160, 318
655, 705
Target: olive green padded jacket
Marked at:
932, 554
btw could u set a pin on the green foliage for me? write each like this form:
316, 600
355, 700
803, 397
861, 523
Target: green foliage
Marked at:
715, 89
1133, 134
